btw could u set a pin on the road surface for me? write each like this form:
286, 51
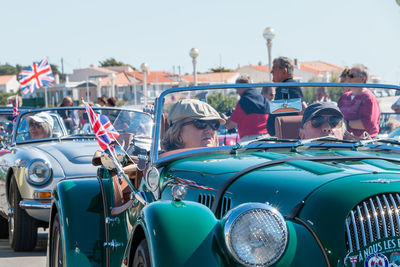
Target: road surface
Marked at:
36, 258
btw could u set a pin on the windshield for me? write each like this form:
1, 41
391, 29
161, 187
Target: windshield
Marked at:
72, 122
215, 116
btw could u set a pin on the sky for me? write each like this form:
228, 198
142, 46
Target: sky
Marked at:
228, 33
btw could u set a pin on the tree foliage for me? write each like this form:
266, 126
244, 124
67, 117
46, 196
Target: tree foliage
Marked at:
7, 69
221, 102
112, 62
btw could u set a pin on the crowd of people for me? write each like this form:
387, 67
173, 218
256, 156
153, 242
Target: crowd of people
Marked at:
354, 116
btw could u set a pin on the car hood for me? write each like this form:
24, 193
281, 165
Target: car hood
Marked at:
74, 157
285, 184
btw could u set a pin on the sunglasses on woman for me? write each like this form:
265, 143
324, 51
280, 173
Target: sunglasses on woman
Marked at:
202, 124
333, 121
35, 124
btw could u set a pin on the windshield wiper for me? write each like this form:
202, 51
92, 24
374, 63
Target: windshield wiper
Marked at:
264, 139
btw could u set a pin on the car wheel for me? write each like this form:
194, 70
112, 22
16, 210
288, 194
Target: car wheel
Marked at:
142, 257
21, 227
56, 249
3, 227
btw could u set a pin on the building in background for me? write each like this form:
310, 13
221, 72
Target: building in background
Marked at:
9, 84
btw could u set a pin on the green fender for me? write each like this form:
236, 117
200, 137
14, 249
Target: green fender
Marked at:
183, 233
80, 208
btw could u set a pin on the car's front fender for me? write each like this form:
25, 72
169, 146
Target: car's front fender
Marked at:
80, 210
185, 233
182, 233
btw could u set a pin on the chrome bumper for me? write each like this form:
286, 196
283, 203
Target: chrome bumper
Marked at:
29, 204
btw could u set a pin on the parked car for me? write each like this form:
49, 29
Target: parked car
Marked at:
266, 202
32, 165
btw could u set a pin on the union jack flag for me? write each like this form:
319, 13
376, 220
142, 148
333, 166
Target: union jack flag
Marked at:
192, 184
35, 76
353, 260
15, 110
103, 129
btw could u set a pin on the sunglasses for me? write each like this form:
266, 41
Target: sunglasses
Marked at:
333, 121
35, 124
352, 75
202, 124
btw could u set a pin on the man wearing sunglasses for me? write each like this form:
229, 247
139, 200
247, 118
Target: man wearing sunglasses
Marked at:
322, 119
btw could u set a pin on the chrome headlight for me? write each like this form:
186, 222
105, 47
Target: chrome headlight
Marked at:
255, 234
38, 172
152, 179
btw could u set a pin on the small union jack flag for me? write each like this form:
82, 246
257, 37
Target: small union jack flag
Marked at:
15, 110
103, 129
192, 184
35, 76
353, 260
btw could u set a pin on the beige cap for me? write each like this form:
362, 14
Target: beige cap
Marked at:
42, 117
193, 108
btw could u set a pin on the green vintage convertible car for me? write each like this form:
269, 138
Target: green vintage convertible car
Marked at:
271, 201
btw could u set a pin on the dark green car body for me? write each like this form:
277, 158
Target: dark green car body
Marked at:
322, 190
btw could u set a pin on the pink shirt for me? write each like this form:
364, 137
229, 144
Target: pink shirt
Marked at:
249, 124
364, 107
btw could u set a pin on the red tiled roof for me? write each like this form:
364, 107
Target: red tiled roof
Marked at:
121, 79
215, 76
260, 68
319, 67
5, 78
153, 76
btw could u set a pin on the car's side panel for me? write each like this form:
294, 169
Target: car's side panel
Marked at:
83, 236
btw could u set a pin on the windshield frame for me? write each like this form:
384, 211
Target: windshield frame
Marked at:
155, 148
66, 135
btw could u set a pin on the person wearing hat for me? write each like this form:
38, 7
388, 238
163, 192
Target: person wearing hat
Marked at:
40, 125
193, 123
322, 119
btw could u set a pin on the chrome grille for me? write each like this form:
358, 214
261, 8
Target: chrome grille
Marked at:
374, 218
208, 200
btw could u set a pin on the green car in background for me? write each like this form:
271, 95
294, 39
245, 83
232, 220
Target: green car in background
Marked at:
275, 201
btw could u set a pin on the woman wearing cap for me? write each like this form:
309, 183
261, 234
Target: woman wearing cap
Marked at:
40, 125
193, 123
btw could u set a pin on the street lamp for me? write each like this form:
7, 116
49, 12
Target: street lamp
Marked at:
269, 34
194, 53
98, 88
145, 69
112, 78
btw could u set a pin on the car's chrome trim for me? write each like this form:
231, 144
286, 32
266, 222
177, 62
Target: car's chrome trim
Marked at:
382, 212
390, 215
28, 204
384, 208
371, 239
362, 226
378, 232
349, 235
396, 210
353, 221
